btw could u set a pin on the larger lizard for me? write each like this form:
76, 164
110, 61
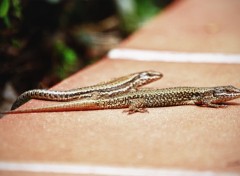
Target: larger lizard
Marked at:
139, 100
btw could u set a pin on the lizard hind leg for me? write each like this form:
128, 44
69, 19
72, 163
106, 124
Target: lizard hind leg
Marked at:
137, 105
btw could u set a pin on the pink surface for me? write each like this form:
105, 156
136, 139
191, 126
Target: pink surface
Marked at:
192, 26
180, 137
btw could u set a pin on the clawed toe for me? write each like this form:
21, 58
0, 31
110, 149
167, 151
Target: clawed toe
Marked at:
132, 111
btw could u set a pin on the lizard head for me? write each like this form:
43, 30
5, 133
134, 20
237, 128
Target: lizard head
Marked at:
225, 93
146, 77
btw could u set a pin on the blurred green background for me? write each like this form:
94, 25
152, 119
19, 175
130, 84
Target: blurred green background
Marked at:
45, 41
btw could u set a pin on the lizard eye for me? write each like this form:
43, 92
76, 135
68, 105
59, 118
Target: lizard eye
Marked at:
144, 75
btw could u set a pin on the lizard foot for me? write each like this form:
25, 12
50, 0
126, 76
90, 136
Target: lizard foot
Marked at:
132, 111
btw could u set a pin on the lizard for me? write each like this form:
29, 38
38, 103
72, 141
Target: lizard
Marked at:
110, 88
139, 100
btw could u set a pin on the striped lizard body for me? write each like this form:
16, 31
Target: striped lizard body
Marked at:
113, 87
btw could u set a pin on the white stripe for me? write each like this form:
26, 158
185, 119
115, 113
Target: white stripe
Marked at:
172, 56
101, 170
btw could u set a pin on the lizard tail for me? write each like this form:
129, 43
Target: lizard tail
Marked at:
79, 105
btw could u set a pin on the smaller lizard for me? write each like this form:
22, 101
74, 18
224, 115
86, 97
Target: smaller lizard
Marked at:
113, 87
139, 100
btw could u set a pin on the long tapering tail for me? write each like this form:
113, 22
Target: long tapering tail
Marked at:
87, 104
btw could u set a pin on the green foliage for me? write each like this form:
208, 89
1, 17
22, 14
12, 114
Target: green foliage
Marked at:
17, 8
59, 37
68, 58
4, 7
146, 9
134, 13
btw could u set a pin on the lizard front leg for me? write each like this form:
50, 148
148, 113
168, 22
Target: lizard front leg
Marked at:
136, 105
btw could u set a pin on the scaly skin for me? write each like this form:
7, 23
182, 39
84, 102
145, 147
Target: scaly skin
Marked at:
141, 99
113, 87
